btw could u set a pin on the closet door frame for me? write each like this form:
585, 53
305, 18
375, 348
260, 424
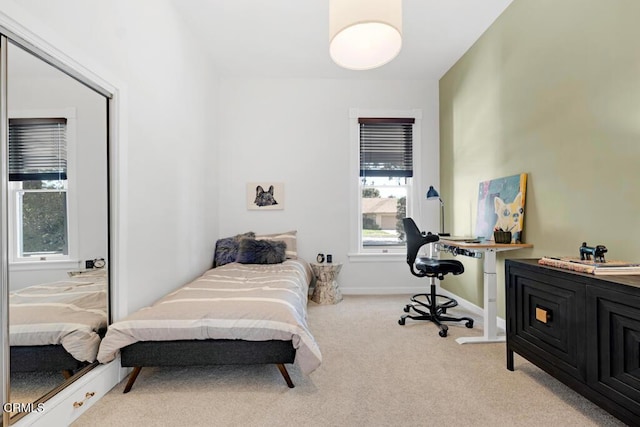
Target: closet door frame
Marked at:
4, 239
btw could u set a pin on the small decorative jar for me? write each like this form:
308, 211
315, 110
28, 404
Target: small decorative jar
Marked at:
502, 236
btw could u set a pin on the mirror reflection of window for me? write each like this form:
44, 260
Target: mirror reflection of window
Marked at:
38, 188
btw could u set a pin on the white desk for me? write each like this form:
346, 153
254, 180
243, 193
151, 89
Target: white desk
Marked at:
488, 250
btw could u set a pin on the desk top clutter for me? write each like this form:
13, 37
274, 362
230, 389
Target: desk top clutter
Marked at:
585, 264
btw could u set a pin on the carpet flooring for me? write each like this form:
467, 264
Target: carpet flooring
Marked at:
374, 372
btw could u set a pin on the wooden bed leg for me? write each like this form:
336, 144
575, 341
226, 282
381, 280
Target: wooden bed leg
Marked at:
285, 374
132, 378
67, 373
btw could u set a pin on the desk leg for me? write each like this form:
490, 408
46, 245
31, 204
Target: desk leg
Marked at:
490, 304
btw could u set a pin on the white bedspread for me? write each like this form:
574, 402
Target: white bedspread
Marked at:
235, 301
69, 312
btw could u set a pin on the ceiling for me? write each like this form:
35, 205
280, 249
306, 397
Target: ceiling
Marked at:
290, 38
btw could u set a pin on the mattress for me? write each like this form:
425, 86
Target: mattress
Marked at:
253, 302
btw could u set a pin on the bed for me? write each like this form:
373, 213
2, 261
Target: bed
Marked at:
58, 326
242, 311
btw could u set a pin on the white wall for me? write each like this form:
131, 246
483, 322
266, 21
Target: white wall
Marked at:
296, 131
167, 131
184, 187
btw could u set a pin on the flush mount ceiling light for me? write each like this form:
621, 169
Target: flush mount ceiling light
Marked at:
364, 34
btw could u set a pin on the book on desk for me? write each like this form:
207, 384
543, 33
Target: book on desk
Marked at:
591, 266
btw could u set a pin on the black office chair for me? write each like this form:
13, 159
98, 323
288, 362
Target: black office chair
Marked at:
433, 307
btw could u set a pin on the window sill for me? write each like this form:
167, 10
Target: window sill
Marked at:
377, 257
62, 264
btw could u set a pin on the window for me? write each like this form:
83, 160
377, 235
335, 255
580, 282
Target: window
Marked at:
386, 153
38, 188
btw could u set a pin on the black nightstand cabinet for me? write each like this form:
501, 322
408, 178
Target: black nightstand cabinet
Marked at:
582, 329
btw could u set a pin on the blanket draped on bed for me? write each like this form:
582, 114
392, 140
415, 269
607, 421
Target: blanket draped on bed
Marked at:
72, 313
253, 302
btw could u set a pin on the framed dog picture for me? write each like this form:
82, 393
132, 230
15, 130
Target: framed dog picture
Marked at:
265, 196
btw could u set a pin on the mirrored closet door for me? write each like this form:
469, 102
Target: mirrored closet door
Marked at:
56, 214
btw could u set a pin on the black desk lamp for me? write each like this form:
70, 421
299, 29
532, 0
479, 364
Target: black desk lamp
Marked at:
432, 194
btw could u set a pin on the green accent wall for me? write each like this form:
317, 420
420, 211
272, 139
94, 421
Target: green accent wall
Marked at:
551, 89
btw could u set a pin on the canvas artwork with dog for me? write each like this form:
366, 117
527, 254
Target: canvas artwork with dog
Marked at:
262, 196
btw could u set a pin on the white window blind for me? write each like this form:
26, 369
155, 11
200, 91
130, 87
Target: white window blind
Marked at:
37, 149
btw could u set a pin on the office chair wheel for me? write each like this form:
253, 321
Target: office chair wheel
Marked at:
469, 324
401, 321
406, 308
443, 333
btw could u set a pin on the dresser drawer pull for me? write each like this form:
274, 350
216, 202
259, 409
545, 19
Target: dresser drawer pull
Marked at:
543, 315
88, 395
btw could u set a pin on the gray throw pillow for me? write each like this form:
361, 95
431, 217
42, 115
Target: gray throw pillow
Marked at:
227, 249
261, 251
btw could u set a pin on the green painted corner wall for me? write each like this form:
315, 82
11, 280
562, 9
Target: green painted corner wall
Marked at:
551, 89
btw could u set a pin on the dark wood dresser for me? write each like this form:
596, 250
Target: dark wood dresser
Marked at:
580, 328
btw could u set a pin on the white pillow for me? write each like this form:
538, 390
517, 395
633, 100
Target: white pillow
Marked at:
289, 237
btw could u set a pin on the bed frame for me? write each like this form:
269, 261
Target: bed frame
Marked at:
39, 358
206, 352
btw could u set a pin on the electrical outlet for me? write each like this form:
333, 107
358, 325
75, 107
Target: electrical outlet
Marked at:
88, 264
